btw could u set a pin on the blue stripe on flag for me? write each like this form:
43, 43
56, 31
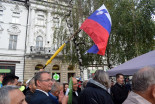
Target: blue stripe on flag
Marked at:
93, 49
102, 19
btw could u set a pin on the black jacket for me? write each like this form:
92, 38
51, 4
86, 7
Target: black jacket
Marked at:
95, 93
28, 96
119, 93
40, 98
75, 98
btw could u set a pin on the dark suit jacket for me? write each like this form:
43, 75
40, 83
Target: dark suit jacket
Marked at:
75, 98
119, 93
40, 98
28, 96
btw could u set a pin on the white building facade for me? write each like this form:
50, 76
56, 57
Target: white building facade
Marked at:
27, 37
13, 27
41, 45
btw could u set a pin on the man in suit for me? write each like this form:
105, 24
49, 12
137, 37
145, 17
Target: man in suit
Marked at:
75, 91
30, 90
43, 86
54, 93
119, 91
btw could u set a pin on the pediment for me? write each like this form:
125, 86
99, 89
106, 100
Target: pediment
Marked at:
40, 32
14, 30
16, 9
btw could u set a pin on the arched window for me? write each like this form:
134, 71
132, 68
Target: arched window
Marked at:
38, 67
70, 67
39, 41
55, 67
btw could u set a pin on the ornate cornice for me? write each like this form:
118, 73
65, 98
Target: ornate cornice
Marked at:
2, 7
40, 32
16, 9
13, 2
49, 4
13, 30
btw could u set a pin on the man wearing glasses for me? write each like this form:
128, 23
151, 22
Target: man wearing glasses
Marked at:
43, 84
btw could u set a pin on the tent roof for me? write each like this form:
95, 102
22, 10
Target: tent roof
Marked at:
133, 65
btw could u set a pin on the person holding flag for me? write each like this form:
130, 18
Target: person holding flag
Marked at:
73, 91
98, 27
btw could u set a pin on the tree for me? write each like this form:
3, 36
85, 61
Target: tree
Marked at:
132, 30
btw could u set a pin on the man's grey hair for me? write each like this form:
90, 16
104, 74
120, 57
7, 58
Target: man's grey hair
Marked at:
102, 77
4, 93
142, 79
38, 76
55, 87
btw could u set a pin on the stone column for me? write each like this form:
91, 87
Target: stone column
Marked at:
32, 26
48, 29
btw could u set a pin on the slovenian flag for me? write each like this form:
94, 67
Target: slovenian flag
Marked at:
98, 27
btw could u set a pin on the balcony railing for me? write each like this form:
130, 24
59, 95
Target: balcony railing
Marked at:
42, 50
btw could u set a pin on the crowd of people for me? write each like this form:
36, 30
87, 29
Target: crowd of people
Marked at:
42, 89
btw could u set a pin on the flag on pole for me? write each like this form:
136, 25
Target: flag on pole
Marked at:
70, 91
55, 54
98, 27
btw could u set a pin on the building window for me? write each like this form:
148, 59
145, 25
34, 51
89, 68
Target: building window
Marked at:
40, 20
55, 67
56, 22
1, 11
13, 42
1, 15
70, 67
15, 19
39, 41
38, 67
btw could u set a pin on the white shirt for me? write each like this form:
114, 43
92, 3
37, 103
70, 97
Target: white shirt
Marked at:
76, 93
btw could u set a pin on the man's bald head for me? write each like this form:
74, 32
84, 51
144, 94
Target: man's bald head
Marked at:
74, 79
144, 78
143, 83
143, 70
75, 84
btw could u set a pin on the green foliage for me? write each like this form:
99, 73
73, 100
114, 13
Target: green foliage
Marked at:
132, 30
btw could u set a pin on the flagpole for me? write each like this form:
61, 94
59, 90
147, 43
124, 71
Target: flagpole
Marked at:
74, 35
60, 48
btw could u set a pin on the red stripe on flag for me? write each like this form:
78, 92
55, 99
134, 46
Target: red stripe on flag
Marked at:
97, 33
